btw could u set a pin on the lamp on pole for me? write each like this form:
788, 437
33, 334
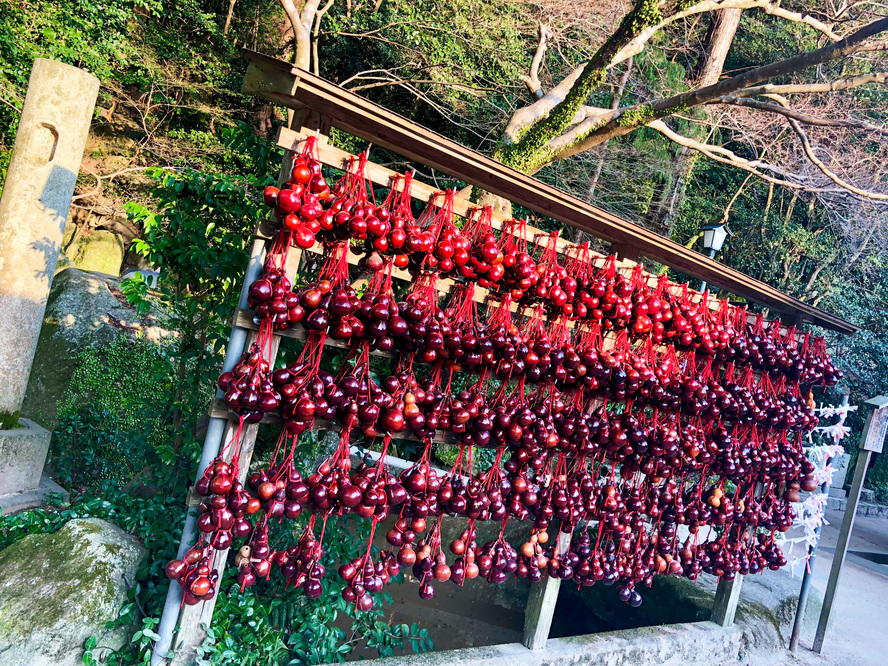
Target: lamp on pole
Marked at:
714, 236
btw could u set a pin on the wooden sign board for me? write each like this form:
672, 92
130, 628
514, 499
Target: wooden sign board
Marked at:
876, 425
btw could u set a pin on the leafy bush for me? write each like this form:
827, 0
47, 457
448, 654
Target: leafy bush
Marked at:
111, 423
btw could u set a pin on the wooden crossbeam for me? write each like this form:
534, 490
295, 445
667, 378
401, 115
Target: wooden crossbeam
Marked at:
281, 82
293, 140
337, 158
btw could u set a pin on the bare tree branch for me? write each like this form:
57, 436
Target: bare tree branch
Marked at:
532, 79
315, 60
722, 29
110, 177
768, 6
844, 9
729, 157
811, 88
612, 124
615, 103
800, 116
809, 151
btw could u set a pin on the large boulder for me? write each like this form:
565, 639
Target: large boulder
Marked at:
57, 590
84, 309
99, 250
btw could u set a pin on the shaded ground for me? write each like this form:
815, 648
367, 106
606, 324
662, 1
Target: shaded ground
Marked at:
857, 636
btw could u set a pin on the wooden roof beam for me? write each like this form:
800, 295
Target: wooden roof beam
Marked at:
281, 82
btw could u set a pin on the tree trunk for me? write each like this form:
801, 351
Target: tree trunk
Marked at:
721, 33
231, 4
301, 24
719, 39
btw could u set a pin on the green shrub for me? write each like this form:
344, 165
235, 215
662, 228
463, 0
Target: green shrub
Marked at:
113, 419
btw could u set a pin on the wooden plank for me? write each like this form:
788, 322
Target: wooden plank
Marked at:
625, 252
360, 117
380, 175
727, 598
193, 619
541, 602
339, 159
220, 410
246, 319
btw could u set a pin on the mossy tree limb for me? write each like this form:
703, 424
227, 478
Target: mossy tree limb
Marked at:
629, 119
530, 151
560, 125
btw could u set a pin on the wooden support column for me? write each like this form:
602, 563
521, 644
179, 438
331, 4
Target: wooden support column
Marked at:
727, 593
180, 650
541, 604
625, 251
871, 441
727, 597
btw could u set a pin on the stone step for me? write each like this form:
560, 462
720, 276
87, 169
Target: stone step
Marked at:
18, 502
836, 503
839, 493
863, 508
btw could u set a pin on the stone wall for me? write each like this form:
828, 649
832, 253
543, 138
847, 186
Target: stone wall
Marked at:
698, 644
764, 616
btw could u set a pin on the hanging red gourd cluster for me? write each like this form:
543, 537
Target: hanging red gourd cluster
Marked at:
619, 406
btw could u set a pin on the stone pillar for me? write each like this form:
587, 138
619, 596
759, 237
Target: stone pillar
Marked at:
34, 207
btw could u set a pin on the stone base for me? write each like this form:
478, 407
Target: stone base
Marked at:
22, 454
838, 493
18, 502
697, 644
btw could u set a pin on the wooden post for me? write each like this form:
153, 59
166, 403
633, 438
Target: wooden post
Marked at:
215, 437
541, 604
625, 251
181, 650
871, 441
727, 597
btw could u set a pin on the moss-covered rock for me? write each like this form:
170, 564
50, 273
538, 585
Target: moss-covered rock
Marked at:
58, 589
82, 310
100, 251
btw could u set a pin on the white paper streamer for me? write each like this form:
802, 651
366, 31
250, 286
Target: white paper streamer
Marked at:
810, 511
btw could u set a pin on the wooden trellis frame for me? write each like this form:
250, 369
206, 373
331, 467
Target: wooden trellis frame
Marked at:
314, 115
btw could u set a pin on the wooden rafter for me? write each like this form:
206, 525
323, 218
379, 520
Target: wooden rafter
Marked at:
282, 83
